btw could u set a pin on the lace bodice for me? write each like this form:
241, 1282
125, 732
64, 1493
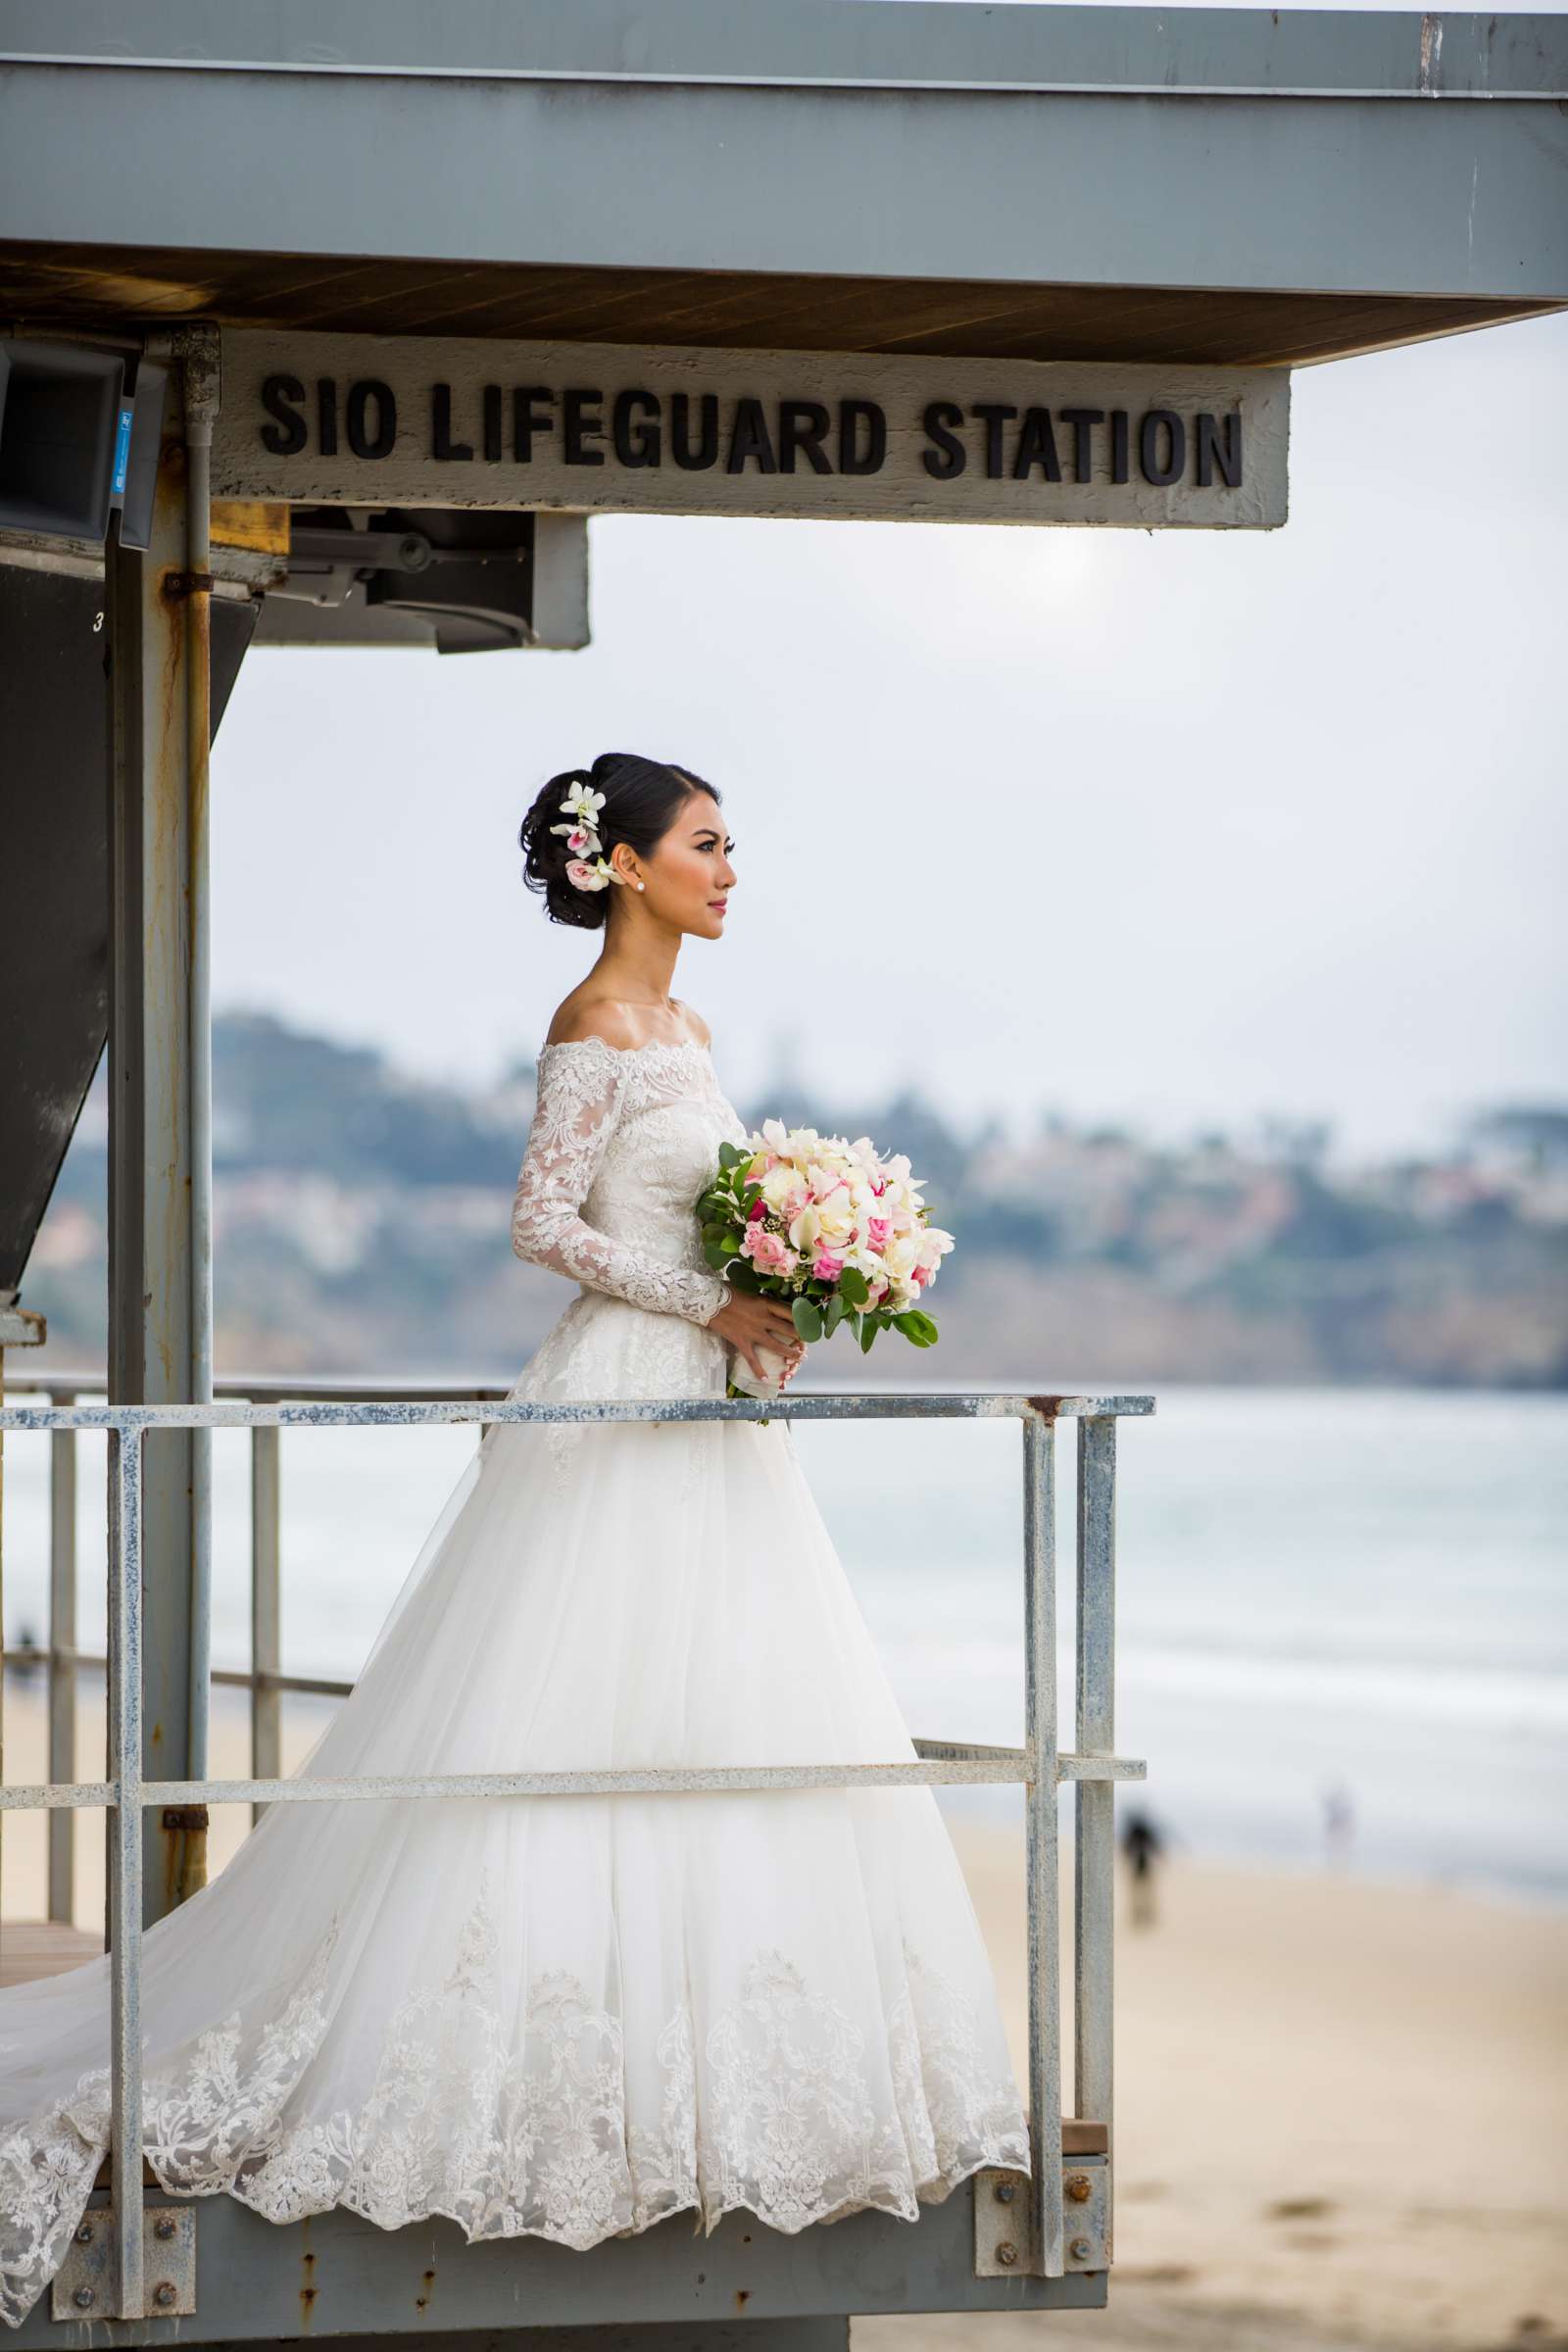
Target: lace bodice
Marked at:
622, 1142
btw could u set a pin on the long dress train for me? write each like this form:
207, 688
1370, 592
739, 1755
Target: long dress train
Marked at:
569, 2016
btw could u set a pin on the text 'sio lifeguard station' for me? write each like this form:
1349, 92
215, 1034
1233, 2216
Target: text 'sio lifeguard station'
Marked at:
334, 325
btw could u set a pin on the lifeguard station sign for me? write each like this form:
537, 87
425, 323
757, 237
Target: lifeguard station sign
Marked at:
354, 419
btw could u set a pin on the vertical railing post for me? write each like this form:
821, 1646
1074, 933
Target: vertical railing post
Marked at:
1095, 1819
62, 1660
1040, 1840
126, 1864
267, 1610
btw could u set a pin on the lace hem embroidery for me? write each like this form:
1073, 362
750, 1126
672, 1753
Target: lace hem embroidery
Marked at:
531, 2138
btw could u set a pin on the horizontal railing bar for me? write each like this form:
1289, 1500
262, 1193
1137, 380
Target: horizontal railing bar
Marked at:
268, 1388
623, 1781
956, 1750
57, 1796
233, 1678
945, 1768
978, 1404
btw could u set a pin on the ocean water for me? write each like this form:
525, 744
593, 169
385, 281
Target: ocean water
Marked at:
1365, 1591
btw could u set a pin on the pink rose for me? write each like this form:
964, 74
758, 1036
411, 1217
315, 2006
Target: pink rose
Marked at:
578, 871
877, 1230
766, 1250
827, 1267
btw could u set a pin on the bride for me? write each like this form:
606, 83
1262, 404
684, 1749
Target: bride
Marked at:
575, 2015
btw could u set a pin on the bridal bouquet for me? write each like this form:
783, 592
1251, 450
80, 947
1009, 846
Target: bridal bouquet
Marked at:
833, 1227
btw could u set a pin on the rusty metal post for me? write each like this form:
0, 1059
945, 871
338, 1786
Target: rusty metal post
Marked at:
151, 1307
197, 349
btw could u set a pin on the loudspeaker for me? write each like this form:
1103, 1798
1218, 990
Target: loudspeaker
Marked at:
75, 443
60, 406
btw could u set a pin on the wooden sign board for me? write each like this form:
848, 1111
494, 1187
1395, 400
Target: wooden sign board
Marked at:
596, 427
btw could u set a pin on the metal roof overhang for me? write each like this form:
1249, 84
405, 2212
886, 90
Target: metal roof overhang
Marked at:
1041, 182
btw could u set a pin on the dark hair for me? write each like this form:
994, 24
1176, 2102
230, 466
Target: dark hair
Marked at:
642, 800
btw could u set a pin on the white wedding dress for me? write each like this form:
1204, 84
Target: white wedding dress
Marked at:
569, 2016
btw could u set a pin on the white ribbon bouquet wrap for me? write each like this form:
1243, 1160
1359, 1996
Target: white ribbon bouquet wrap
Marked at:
839, 1232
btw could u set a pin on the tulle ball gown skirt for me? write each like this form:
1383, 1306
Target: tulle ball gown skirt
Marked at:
569, 2016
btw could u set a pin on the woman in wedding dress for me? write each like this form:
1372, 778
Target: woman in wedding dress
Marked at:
575, 2015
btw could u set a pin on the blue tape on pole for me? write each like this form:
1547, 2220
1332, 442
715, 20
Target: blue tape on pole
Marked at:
123, 451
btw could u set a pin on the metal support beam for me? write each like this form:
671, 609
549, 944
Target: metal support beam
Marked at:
197, 348
1040, 1843
151, 1307
1094, 1838
267, 1612
124, 1862
63, 1669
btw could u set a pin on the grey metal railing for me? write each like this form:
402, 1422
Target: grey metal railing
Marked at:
1039, 1766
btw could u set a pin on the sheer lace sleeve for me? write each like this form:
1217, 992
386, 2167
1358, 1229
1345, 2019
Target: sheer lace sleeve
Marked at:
574, 1118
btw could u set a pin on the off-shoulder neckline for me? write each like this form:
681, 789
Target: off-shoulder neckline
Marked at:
652, 1045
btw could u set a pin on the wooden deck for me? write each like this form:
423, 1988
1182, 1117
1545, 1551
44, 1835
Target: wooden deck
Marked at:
42, 1948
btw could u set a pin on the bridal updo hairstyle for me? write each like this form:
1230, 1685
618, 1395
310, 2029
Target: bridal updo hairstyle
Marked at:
642, 801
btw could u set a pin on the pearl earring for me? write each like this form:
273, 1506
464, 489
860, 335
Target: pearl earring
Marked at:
641, 886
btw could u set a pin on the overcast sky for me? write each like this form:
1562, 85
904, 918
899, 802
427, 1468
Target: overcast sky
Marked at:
1180, 828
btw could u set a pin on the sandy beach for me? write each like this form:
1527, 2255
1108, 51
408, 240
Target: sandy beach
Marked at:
1342, 2106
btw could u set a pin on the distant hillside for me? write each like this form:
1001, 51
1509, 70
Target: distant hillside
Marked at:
362, 1227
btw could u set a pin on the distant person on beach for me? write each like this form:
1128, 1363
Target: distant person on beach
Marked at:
1339, 1824
1142, 1846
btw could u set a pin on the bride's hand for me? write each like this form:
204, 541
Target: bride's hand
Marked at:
748, 1322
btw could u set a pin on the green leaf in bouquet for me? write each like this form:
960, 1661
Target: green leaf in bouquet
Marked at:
730, 1246
833, 1315
854, 1287
917, 1326
869, 1328
730, 1156
807, 1318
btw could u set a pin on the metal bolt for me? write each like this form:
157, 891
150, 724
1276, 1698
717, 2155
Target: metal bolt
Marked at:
164, 2227
84, 2235
1006, 2253
1007, 2191
163, 2294
1077, 2188
1080, 2250
83, 2298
